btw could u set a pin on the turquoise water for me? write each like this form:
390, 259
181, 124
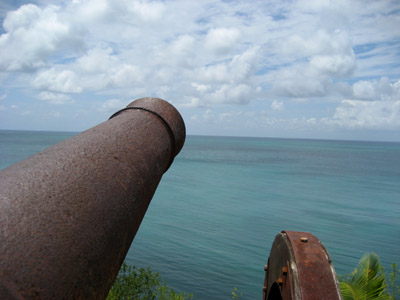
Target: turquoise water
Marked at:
216, 212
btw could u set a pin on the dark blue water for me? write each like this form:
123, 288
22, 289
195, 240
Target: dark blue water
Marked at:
217, 210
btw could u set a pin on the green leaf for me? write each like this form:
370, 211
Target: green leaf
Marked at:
367, 282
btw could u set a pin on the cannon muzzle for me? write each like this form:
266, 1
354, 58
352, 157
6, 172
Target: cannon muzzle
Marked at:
68, 214
300, 268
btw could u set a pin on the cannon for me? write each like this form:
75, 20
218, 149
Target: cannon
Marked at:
68, 214
299, 268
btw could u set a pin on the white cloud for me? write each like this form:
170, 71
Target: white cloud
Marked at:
237, 94
95, 11
277, 105
228, 117
55, 98
91, 10
335, 65
193, 102
98, 60
367, 115
318, 58
222, 40
239, 69
126, 75
215, 73
207, 116
228, 82
381, 89
113, 105
243, 66
320, 42
181, 52
207, 54
300, 82
312, 121
101, 68
32, 36
200, 87
148, 11
65, 81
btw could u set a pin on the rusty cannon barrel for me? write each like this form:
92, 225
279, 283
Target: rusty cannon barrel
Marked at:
299, 268
68, 214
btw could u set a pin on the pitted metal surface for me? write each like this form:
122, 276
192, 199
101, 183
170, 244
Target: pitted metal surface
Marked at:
68, 214
299, 268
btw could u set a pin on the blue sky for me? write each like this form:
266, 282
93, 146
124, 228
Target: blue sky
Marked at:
299, 69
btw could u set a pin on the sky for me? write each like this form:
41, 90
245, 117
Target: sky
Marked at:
293, 69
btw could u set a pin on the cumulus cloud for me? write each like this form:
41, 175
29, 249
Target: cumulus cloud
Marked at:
238, 69
91, 10
55, 98
101, 68
277, 105
206, 54
181, 51
200, 87
193, 102
300, 82
371, 115
215, 73
65, 81
324, 56
238, 94
335, 65
32, 35
207, 116
98, 60
229, 117
112, 105
228, 82
125, 11
126, 75
221, 40
322, 41
148, 11
381, 89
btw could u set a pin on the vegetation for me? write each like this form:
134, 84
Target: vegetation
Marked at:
142, 284
236, 295
366, 282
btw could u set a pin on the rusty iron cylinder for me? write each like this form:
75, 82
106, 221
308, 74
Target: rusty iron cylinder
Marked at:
299, 268
68, 214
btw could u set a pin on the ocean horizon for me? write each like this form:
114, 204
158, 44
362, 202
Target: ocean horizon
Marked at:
71, 133
214, 216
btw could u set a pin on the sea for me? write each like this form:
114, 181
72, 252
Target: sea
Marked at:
213, 219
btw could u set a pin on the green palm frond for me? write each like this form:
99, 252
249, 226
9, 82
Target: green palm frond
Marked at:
367, 282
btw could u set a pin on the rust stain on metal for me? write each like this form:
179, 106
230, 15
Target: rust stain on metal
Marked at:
301, 267
68, 214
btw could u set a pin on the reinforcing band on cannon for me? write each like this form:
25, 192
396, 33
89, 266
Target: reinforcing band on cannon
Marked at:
171, 134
